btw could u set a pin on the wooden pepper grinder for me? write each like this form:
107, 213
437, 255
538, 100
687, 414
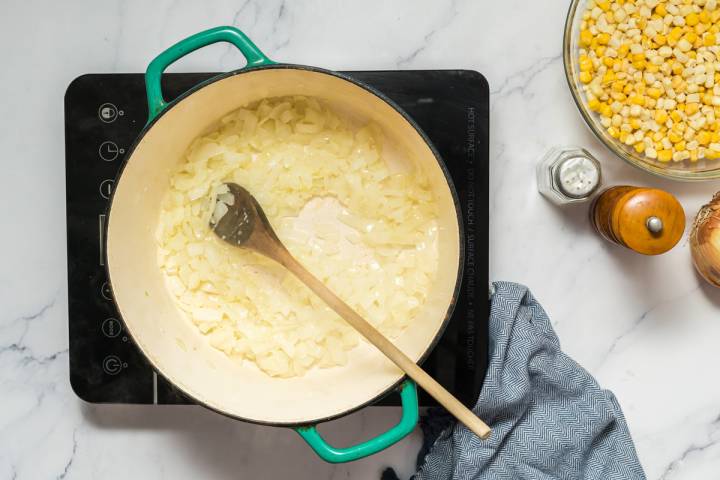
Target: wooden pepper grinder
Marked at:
646, 220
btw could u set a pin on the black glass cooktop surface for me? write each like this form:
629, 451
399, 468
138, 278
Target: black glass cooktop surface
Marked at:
104, 113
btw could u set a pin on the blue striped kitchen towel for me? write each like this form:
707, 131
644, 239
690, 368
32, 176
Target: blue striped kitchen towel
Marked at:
550, 418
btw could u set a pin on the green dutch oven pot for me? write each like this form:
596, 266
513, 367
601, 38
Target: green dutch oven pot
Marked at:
173, 345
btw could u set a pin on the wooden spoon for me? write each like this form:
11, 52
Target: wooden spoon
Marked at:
242, 223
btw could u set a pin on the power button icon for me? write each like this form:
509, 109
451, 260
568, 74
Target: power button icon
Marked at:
112, 365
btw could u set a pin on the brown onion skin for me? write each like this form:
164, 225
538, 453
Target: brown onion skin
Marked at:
705, 255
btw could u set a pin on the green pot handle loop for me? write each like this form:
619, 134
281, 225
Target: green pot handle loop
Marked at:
253, 55
408, 394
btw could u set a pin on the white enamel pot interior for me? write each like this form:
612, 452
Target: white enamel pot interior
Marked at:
169, 340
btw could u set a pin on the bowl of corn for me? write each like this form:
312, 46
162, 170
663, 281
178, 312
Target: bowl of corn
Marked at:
645, 75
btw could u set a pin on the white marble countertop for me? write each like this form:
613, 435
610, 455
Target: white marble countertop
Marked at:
646, 327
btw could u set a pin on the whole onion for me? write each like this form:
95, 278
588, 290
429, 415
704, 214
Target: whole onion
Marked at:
705, 241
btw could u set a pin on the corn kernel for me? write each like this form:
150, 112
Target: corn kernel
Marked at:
692, 19
654, 93
680, 146
603, 38
674, 137
691, 108
661, 116
586, 38
604, 5
613, 132
660, 9
664, 155
709, 40
703, 138
586, 65
705, 16
594, 104
585, 77
640, 147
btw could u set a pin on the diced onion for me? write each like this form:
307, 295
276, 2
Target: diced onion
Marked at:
368, 233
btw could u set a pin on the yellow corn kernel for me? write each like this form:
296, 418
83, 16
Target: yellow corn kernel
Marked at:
639, 64
700, 28
660, 9
674, 137
594, 104
637, 100
652, 68
640, 147
692, 19
586, 38
664, 155
640, 88
703, 138
694, 155
714, 29
715, 137
707, 99
623, 50
675, 115
660, 39
705, 16
608, 62
623, 136
635, 123
690, 37
606, 110
676, 33
603, 38
585, 77
709, 40
600, 50
613, 132
661, 116
715, 16
654, 93
691, 108
692, 54
604, 5
586, 65
680, 146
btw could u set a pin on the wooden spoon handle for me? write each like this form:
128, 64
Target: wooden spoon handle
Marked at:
429, 384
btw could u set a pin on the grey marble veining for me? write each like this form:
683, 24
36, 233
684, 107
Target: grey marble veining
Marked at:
646, 327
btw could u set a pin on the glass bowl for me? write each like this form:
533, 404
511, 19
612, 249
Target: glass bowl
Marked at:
686, 170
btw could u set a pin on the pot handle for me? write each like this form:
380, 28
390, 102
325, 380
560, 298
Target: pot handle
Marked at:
408, 394
153, 74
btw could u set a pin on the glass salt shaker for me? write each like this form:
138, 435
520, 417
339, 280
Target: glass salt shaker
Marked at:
568, 175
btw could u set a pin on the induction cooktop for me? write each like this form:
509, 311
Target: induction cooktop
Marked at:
104, 113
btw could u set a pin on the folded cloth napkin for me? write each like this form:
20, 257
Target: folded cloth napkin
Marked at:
550, 418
